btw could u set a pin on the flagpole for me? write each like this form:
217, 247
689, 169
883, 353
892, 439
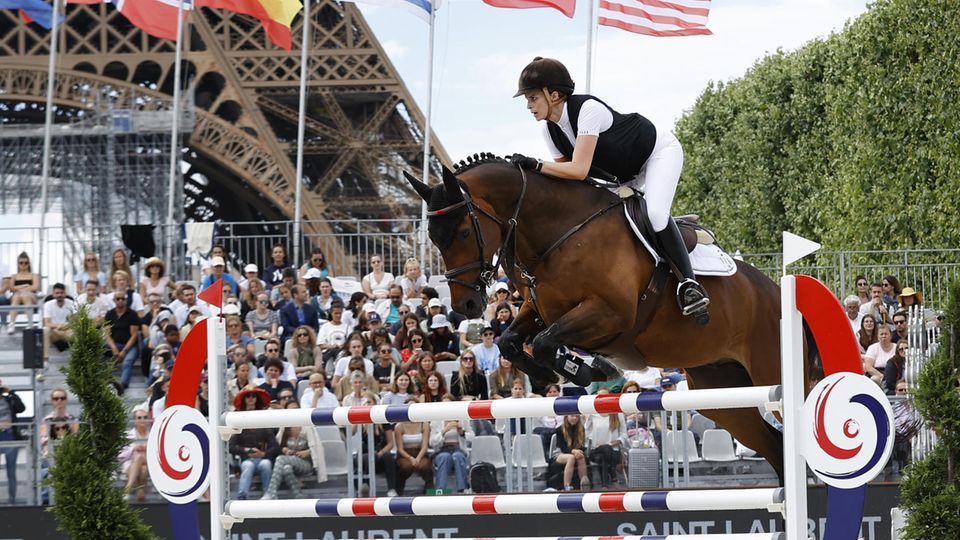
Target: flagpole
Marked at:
47, 135
426, 139
301, 122
591, 24
174, 137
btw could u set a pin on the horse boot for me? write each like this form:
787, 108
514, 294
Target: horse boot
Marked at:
691, 296
573, 368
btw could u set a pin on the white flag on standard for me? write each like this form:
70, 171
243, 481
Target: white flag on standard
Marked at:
660, 18
795, 248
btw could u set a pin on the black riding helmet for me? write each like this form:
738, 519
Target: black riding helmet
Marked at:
545, 72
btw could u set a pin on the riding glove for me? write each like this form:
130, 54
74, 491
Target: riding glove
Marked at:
528, 163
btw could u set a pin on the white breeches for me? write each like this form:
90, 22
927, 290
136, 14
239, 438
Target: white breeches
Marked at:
659, 177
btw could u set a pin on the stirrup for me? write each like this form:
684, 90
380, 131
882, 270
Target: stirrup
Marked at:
692, 299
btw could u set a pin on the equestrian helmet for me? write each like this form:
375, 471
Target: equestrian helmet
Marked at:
545, 72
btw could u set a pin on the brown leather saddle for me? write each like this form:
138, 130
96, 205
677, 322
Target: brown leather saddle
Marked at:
690, 229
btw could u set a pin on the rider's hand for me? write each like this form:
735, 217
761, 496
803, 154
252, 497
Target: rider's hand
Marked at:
528, 163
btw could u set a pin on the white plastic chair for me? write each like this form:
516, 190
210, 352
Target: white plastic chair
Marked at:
288, 349
718, 446
528, 447
335, 457
448, 367
329, 433
443, 290
670, 438
487, 449
302, 387
259, 345
436, 280
700, 423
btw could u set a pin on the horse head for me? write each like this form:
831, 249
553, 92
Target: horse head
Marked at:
467, 236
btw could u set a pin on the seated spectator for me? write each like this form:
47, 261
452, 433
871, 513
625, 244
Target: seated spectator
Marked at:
58, 431
90, 272
284, 399
133, 457
255, 448
194, 315
503, 320
875, 307
58, 403
893, 371
96, 306
606, 434
867, 335
273, 384
380, 338
390, 311
399, 390
571, 442
24, 285
910, 297
408, 322
877, 355
186, 301
345, 385
486, 352
425, 365
250, 272
891, 292
241, 380
448, 439
121, 282
443, 339
469, 332
413, 280
355, 348
297, 313
863, 289
305, 354
501, 296
56, 329
10, 406
123, 338
468, 382
274, 272
316, 262
377, 283
353, 309
413, 441
435, 388
899, 327
548, 424
316, 396
296, 460
430, 305
332, 335
206, 265
370, 324
262, 322
272, 351
118, 262
218, 270
323, 299
646, 377
235, 335
250, 296
385, 370
851, 305
500, 381
288, 281
155, 280
416, 342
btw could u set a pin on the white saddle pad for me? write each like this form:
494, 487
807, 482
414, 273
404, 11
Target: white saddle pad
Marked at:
706, 259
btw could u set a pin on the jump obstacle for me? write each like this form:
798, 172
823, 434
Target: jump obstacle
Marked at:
199, 447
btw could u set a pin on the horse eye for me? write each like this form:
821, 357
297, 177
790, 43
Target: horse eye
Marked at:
465, 233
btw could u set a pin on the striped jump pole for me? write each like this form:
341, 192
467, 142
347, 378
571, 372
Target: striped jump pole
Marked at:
721, 398
543, 503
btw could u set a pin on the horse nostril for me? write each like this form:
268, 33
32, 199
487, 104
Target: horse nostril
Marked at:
470, 305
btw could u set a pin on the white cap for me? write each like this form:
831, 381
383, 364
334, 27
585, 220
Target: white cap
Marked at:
439, 321
434, 302
500, 286
250, 268
217, 261
231, 309
368, 307
313, 273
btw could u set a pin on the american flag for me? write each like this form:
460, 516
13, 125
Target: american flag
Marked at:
660, 18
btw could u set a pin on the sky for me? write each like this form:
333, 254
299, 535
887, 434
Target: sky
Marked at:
480, 50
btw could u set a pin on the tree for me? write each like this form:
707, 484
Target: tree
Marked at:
88, 504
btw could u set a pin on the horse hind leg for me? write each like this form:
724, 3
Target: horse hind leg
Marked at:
746, 425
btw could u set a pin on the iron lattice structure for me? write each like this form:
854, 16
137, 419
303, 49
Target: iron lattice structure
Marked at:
362, 125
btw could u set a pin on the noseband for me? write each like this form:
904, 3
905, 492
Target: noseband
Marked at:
488, 272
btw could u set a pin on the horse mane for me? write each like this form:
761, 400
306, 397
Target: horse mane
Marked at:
476, 160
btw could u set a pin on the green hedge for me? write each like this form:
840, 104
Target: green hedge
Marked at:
851, 140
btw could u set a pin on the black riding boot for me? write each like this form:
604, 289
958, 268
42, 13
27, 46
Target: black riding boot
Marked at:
691, 296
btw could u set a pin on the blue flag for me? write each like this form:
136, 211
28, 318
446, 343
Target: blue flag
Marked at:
37, 11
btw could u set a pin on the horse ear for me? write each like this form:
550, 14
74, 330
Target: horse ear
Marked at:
451, 185
422, 189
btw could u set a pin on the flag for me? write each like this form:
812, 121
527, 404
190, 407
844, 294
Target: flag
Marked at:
566, 7
660, 18
155, 17
275, 15
36, 11
420, 8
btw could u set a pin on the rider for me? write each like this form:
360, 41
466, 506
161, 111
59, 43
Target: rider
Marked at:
581, 131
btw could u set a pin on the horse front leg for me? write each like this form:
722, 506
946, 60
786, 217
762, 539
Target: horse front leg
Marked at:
589, 324
525, 325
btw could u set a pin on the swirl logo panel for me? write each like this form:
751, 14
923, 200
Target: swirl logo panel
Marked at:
848, 430
178, 454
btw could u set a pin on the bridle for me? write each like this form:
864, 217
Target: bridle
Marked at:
488, 271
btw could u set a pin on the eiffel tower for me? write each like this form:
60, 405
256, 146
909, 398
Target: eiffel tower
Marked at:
362, 125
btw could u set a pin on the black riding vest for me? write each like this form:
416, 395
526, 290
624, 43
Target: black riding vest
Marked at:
621, 150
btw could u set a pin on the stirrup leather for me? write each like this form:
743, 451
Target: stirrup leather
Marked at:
691, 297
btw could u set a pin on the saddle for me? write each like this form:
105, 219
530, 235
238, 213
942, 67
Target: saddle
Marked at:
691, 231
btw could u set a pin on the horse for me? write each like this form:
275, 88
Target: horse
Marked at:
588, 283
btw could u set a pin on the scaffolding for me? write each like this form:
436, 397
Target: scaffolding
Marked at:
109, 167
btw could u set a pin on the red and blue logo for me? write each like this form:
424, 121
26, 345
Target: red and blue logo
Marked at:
178, 454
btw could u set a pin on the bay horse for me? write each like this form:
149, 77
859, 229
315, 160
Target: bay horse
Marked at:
585, 292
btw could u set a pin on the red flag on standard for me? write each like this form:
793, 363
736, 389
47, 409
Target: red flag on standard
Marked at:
566, 7
660, 18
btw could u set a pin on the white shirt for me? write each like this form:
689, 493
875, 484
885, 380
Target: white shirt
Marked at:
879, 356
332, 334
594, 119
56, 313
598, 430
135, 305
327, 399
646, 379
96, 308
487, 359
181, 311
340, 368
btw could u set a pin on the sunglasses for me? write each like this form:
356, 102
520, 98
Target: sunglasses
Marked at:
384, 351
862, 284
467, 359
273, 350
90, 259
59, 398
416, 340
264, 302
141, 418
302, 334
